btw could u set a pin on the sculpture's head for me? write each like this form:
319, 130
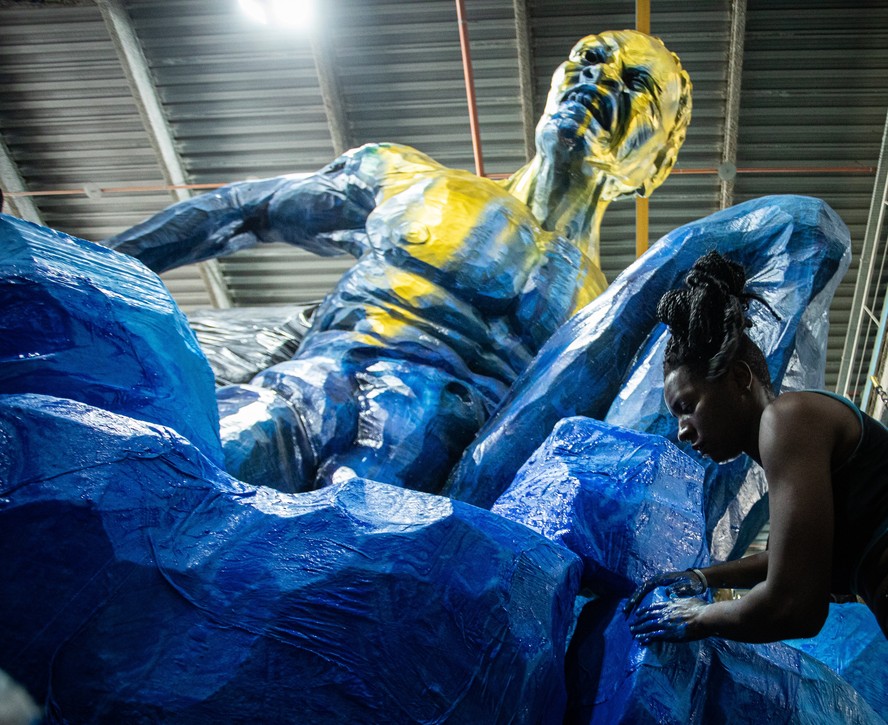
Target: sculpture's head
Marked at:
623, 102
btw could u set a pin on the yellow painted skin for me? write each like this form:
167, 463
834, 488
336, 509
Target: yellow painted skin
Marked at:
459, 280
615, 118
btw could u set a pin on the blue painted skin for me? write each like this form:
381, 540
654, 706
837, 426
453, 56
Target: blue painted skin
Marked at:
418, 342
665, 617
459, 279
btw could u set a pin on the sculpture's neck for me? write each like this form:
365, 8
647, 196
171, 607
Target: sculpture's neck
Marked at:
565, 198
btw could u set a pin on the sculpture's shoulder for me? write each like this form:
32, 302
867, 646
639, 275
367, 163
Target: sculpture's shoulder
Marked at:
383, 160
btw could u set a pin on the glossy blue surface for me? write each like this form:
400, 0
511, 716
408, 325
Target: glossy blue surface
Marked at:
615, 680
144, 584
852, 645
629, 504
794, 249
79, 321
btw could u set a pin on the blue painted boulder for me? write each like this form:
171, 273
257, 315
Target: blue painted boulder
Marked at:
629, 504
82, 322
852, 645
141, 583
796, 250
613, 680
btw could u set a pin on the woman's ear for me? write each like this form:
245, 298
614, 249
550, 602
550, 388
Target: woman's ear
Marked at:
742, 375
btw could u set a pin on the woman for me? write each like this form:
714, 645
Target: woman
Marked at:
826, 464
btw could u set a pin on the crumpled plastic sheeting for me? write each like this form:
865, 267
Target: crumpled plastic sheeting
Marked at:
80, 321
145, 584
794, 247
630, 505
736, 492
240, 342
852, 645
614, 680
259, 438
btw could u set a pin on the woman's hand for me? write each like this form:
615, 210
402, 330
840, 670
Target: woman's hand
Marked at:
677, 583
675, 620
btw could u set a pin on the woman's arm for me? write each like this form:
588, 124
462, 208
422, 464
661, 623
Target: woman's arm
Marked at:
742, 573
793, 598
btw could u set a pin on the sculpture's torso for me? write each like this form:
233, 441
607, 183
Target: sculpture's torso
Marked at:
452, 265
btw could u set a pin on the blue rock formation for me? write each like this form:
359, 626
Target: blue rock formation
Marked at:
852, 645
613, 680
794, 250
629, 504
144, 584
79, 321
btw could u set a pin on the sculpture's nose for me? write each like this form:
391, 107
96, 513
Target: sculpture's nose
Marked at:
591, 73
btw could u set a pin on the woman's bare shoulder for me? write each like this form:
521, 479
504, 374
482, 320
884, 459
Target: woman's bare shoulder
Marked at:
807, 421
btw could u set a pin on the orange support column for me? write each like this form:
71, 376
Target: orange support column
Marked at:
642, 23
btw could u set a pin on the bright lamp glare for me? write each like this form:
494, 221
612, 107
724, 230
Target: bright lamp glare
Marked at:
255, 10
280, 13
293, 13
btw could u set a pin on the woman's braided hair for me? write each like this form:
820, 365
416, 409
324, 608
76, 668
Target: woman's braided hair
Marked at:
708, 319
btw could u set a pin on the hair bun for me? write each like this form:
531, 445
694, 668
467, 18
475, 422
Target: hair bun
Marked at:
707, 318
715, 270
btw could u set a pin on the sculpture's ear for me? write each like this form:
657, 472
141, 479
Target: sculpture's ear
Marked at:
666, 158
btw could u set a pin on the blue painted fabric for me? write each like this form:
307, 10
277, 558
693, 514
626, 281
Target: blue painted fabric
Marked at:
795, 250
629, 504
853, 646
141, 583
613, 680
80, 321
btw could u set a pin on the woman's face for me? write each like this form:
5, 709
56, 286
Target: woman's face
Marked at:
710, 412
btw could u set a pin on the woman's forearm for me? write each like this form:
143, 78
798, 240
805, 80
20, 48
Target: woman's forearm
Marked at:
760, 617
742, 573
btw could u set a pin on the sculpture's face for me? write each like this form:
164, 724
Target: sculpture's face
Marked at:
622, 101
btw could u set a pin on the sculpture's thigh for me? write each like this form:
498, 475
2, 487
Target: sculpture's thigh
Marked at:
276, 430
414, 421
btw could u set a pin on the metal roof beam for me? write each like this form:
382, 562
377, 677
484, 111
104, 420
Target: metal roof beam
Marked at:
524, 39
12, 181
727, 171
851, 364
132, 58
331, 92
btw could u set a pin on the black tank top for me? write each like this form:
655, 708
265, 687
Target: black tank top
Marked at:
860, 500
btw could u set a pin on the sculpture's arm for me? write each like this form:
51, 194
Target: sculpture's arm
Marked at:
323, 212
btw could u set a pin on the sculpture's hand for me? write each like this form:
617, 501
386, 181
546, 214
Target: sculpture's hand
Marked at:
674, 620
677, 583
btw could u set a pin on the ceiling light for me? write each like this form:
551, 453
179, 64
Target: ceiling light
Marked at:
280, 13
255, 10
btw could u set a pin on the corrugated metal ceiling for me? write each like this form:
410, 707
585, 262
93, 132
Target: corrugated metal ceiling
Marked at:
243, 100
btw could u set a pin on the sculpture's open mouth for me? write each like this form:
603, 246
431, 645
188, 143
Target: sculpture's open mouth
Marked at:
598, 104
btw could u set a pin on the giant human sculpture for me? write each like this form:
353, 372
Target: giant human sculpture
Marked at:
459, 279
145, 583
